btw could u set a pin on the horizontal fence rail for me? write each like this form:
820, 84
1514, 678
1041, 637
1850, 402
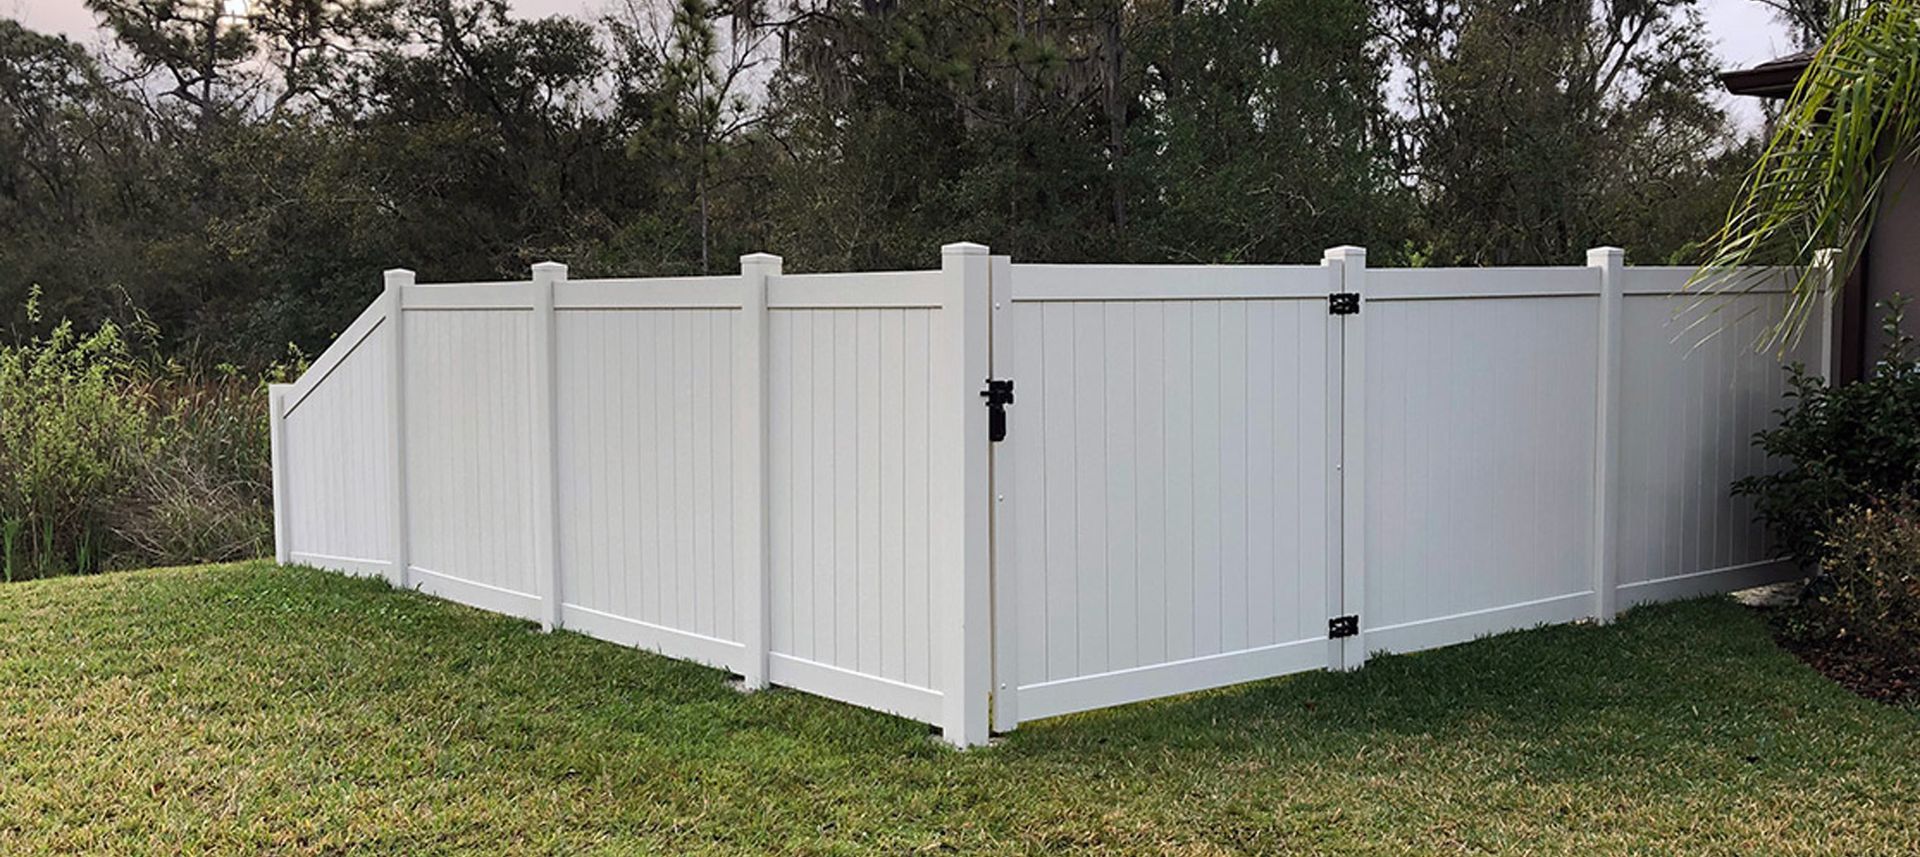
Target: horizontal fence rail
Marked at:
996, 492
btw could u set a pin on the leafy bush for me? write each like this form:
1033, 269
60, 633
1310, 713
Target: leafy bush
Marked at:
72, 434
1867, 596
110, 461
1842, 447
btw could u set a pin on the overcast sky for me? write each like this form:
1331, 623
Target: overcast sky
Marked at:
1745, 31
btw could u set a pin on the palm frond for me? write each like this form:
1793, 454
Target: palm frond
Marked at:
1854, 114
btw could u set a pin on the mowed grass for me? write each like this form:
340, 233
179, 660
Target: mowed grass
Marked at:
250, 707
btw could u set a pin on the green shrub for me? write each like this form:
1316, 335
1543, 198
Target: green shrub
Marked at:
73, 435
1841, 447
1867, 595
109, 461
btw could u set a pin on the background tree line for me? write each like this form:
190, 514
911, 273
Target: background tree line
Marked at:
238, 181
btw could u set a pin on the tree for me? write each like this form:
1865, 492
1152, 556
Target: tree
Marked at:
222, 57
1272, 136
76, 164
315, 47
197, 46
1807, 19
247, 177
52, 98
1226, 130
900, 127
686, 86
1529, 119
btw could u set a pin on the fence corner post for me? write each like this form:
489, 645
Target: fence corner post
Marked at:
1350, 653
1610, 262
546, 542
751, 477
966, 503
277, 455
397, 282
1833, 282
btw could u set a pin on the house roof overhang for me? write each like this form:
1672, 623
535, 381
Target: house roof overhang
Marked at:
1770, 79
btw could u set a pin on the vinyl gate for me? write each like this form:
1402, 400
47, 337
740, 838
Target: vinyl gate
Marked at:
1167, 493
1204, 475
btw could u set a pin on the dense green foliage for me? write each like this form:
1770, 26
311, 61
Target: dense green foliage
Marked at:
112, 460
1528, 152
1840, 447
249, 709
70, 434
243, 180
1845, 502
1867, 597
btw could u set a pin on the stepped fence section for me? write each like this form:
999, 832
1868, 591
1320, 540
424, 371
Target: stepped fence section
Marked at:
997, 492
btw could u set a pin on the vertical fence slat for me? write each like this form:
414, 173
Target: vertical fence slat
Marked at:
277, 452
1611, 263
546, 544
1826, 260
397, 282
750, 475
1005, 584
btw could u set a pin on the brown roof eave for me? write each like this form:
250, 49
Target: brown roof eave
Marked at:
1774, 79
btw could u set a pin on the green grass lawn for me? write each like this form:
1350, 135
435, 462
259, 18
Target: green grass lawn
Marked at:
248, 707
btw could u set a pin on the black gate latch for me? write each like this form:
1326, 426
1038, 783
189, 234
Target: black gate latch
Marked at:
1343, 626
999, 394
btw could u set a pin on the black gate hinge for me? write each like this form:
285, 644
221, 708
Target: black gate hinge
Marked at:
1343, 303
999, 394
1343, 626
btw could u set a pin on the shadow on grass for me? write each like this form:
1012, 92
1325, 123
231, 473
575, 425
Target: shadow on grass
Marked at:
1678, 680
1653, 666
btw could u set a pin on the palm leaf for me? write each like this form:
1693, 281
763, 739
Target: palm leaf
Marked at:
1854, 114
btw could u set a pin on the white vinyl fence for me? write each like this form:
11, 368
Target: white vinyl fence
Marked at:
1208, 475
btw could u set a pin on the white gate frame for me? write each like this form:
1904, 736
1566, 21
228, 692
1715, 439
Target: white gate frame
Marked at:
1350, 567
1001, 460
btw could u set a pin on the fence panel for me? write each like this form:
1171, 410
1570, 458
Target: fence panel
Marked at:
855, 607
470, 442
1169, 513
1695, 389
1481, 392
335, 476
646, 391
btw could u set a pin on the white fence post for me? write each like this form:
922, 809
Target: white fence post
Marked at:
1352, 262
397, 282
546, 543
1611, 264
751, 479
1834, 281
277, 453
964, 504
